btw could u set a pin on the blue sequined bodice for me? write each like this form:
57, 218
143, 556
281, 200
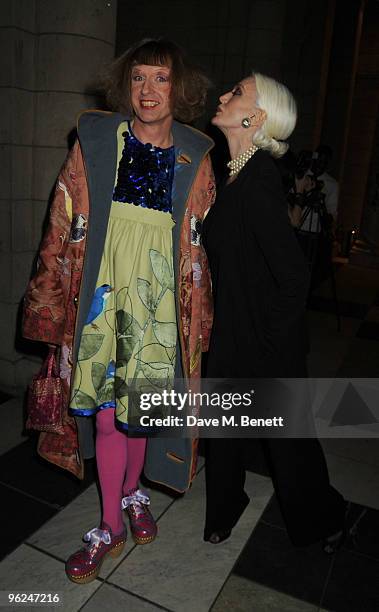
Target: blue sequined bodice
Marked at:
145, 174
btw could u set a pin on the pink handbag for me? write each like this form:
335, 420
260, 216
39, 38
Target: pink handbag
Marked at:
44, 404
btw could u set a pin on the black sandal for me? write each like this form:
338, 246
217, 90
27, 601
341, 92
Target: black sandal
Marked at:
218, 536
334, 542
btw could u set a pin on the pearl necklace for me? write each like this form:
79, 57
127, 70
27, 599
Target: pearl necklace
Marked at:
236, 164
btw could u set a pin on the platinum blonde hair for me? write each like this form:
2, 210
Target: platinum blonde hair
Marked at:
280, 107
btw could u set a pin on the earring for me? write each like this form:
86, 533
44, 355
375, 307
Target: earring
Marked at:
246, 121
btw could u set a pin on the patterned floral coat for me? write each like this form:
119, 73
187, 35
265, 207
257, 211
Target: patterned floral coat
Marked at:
58, 298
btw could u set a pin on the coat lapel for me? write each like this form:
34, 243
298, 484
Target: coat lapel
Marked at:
97, 133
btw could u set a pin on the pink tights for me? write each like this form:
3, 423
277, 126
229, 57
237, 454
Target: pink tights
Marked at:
119, 464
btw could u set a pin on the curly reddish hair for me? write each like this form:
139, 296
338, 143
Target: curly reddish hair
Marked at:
189, 83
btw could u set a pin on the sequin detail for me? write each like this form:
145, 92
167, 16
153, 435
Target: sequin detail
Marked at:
145, 174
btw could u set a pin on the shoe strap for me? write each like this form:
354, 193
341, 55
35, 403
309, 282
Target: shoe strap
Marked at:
137, 496
97, 535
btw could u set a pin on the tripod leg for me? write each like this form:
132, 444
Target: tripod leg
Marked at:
313, 243
325, 232
334, 291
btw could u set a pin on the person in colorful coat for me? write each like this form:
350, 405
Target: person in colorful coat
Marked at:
123, 287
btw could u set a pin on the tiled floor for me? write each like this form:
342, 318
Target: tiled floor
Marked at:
27, 482
309, 575
44, 511
177, 572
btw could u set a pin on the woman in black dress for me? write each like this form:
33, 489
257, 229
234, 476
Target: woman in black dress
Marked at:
260, 283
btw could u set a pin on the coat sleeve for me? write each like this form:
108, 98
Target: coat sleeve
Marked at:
44, 301
209, 194
270, 225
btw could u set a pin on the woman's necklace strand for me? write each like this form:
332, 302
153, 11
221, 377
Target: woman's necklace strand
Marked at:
236, 164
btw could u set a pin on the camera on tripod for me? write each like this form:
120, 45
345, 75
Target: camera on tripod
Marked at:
314, 218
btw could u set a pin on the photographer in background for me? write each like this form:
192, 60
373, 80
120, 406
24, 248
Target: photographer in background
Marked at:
305, 178
307, 187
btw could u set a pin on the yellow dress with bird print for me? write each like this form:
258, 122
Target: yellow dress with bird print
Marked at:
129, 339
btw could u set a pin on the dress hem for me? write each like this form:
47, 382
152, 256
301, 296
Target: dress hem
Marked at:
90, 411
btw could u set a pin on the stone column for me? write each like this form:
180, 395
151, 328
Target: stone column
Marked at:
52, 52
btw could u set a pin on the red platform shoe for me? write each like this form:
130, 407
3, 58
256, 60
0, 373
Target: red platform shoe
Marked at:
84, 565
142, 525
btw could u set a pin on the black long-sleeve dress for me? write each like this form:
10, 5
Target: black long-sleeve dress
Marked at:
260, 283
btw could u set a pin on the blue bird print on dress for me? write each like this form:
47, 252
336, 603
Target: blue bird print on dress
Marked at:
98, 304
111, 370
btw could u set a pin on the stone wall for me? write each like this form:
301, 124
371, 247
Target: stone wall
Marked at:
50, 53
